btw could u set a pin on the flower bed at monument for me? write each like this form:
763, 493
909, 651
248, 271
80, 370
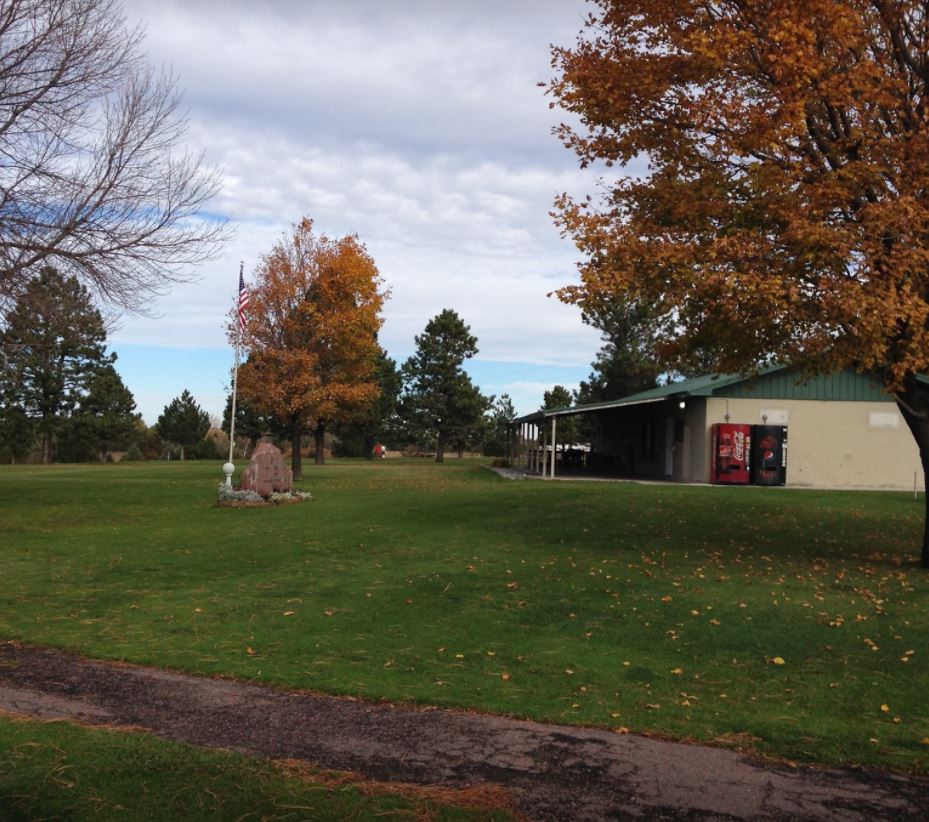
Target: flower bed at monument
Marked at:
233, 498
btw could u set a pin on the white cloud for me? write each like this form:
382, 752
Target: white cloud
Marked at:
419, 126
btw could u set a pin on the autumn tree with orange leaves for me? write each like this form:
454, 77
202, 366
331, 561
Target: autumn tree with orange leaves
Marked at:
784, 212
311, 336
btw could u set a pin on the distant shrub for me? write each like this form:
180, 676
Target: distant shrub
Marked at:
205, 449
133, 453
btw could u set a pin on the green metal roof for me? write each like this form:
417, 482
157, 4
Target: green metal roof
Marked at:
774, 382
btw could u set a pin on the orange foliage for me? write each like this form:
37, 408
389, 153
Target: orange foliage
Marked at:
311, 336
785, 210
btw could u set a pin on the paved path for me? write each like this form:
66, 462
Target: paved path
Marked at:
552, 771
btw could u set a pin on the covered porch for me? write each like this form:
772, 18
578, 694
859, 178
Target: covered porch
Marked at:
638, 438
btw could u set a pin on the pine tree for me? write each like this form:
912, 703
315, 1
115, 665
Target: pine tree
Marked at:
54, 346
497, 440
105, 418
183, 422
439, 391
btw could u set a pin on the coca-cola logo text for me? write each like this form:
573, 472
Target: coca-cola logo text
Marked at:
739, 443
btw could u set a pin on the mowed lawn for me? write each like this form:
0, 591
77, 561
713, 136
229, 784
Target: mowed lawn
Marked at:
791, 622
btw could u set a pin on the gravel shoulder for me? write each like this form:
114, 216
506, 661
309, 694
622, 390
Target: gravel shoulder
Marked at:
553, 772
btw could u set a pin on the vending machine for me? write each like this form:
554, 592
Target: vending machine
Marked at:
731, 453
769, 455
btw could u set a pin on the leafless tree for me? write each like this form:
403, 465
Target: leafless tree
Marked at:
92, 177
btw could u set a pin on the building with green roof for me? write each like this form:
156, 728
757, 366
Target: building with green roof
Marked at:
844, 430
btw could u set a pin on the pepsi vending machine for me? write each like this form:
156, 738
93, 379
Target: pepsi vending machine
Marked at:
731, 450
769, 454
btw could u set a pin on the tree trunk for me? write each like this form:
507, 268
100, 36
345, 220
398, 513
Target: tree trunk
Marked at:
440, 448
46, 448
296, 458
182, 453
321, 443
913, 403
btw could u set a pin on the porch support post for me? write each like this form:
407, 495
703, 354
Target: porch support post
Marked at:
535, 449
544, 444
554, 442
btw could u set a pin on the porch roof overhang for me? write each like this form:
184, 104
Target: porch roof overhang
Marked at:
575, 410
704, 386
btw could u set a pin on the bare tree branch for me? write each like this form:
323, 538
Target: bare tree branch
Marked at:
92, 181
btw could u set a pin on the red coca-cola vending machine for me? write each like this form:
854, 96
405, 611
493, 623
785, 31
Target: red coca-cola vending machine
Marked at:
731, 452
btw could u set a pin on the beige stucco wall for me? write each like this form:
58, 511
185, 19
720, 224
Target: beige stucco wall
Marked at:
830, 444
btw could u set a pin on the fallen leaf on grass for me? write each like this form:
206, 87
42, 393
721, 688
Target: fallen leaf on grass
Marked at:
677, 671
329, 612
778, 660
885, 708
249, 651
288, 613
653, 706
505, 676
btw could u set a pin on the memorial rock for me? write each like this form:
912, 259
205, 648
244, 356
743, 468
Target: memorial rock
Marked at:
266, 472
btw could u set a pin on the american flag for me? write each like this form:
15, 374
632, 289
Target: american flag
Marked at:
243, 301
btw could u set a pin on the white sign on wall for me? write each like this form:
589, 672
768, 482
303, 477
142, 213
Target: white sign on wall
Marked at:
883, 419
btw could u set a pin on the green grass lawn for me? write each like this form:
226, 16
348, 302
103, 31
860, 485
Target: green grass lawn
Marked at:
67, 772
790, 621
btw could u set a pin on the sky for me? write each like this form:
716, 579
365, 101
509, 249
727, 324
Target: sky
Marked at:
417, 125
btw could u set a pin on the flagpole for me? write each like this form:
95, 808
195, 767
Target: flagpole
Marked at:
229, 467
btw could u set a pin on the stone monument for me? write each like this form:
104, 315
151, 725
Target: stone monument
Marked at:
266, 472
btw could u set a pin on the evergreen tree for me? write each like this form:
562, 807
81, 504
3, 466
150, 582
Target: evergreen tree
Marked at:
628, 361
17, 434
496, 443
54, 346
183, 422
147, 442
567, 430
377, 421
105, 419
248, 422
439, 394
467, 425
